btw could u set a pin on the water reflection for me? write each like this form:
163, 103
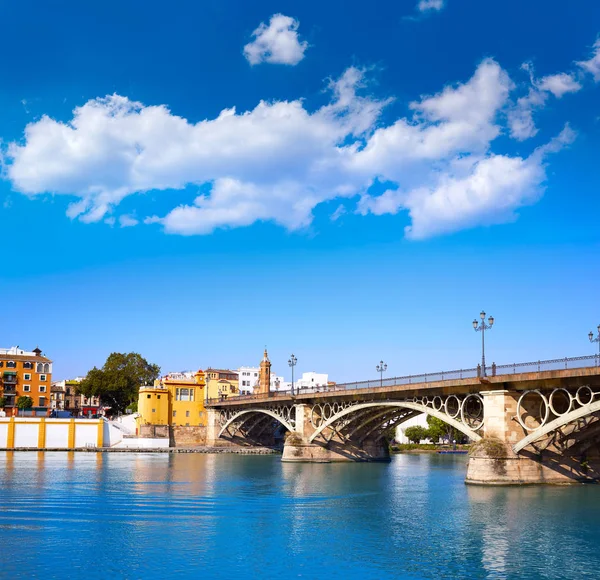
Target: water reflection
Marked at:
87, 515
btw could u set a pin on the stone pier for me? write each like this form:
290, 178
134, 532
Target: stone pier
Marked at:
492, 460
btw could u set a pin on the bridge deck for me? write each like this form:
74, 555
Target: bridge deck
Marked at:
543, 379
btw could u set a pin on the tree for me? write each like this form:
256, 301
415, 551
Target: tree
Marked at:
117, 383
440, 430
2, 402
416, 433
24, 403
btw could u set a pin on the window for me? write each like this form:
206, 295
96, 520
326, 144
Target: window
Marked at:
26, 388
47, 368
27, 376
174, 413
42, 401
27, 365
42, 377
39, 368
255, 374
42, 388
184, 394
1, 364
187, 413
11, 364
148, 396
154, 410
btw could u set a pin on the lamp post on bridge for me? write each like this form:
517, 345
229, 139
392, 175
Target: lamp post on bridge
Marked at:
381, 367
482, 328
292, 362
597, 339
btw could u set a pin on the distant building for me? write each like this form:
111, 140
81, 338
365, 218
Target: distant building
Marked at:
222, 383
25, 373
419, 420
312, 381
248, 380
64, 396
175, 399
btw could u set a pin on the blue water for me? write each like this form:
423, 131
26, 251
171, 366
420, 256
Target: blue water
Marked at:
86, 515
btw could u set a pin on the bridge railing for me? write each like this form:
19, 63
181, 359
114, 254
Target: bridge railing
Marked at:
493, 370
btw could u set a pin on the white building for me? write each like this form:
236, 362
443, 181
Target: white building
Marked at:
312, 381
248, 379
419, 421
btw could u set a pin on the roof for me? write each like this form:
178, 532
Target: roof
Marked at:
229, 372
20, 357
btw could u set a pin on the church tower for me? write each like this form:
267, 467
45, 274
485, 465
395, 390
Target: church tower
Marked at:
264, 380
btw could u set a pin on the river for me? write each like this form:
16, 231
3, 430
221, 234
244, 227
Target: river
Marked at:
142, 515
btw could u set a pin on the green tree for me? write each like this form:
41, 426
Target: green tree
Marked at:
416, 433
437, 430
2, 402
24, 403
117, 383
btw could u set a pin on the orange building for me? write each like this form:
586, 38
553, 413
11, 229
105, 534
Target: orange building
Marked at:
25, 374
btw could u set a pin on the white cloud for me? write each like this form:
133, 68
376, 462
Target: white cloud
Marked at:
559, 84
280, 160
480, 191
520, 118
127, 221
430, 5
277, 43
592, 65
338, 213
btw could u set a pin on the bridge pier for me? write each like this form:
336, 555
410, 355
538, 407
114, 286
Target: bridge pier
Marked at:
299, 449
493, 461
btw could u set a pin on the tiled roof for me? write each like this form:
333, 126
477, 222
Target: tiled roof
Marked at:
20, 357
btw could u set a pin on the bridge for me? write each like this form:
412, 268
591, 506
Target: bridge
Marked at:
528, 422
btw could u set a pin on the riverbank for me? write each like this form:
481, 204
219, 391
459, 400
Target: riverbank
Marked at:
426, 448
200, 449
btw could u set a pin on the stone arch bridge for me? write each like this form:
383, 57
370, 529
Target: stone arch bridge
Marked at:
529, 422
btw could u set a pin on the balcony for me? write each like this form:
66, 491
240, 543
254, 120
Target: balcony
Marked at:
9, 378
9, 389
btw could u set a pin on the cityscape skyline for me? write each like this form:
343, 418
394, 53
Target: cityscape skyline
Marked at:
195, 191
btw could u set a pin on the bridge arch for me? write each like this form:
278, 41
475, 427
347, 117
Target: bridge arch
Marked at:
556, 424
250, 412
419, 407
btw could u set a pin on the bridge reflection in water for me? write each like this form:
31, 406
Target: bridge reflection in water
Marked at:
529, 422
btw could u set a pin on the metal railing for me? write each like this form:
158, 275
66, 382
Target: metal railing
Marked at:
494, 370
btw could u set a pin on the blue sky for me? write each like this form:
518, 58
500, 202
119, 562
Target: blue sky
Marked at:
341, 180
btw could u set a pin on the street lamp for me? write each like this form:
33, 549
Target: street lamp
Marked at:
597, 339
482, 328
292, 362
381, 367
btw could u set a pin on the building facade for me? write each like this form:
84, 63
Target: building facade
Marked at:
248, 380
25, 374
312, 381
64, 396
176, 399
222, 383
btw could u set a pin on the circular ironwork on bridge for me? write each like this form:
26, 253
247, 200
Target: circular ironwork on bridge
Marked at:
584, 395
437, 403
529, 409
471, 411
452, 406
560, 402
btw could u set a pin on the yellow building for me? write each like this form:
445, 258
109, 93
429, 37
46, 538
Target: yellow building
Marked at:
222, 383
175, 399
25, 374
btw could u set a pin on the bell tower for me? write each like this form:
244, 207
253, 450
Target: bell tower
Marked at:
264, 380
